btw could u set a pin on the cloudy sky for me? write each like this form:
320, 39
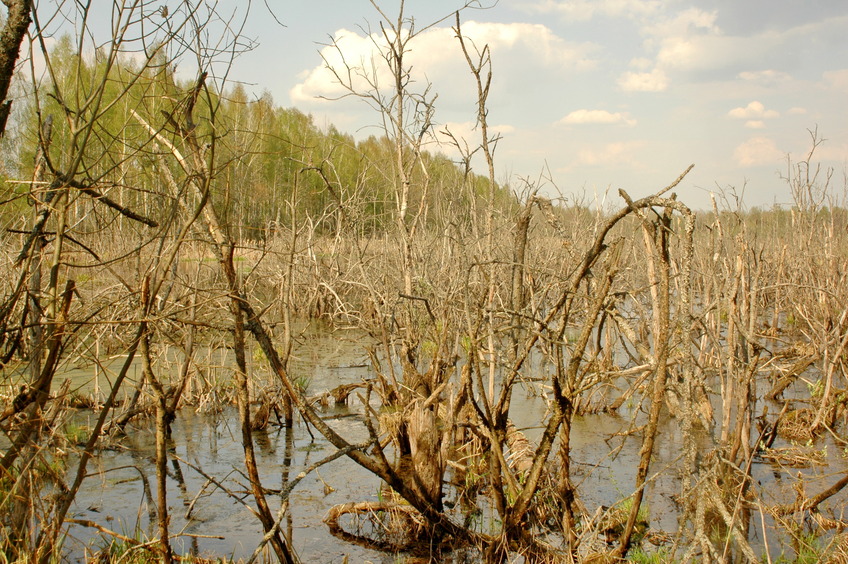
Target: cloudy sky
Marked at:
595, 95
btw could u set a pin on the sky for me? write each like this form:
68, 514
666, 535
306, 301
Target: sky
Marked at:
589, 96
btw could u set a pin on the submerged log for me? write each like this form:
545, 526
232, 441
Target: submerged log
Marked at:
341, 393
388, 526
798, 368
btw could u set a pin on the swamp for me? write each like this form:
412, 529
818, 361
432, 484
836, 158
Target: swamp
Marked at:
229, 334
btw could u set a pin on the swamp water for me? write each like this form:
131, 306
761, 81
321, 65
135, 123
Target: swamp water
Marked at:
119, 492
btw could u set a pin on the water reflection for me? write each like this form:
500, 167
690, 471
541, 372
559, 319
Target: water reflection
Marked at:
211, 516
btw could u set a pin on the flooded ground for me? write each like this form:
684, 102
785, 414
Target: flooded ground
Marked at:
115, 495
212, 522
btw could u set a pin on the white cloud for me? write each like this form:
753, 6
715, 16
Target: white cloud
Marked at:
754, 110
352, 56
435, 54
677, 39
538, 40
654, 81
712, 52
692, 41
724, 83
677, 52
757, 151
584, 116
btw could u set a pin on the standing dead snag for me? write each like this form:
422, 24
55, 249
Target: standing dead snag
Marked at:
593, 278
53, 235
201, 179
33, 398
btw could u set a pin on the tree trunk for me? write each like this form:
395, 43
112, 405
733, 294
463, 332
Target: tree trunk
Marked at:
17, 23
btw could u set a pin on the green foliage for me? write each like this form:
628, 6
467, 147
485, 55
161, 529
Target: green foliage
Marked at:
809, 551
816, 389
639, 555
294, 169
302, 383
76, 434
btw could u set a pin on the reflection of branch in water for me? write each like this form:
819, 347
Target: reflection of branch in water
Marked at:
288, 456
287, 489
220, 486
188, 504
199, 493
152, 512
178, 476
135, 543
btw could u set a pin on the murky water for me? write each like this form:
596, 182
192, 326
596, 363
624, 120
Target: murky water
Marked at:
115, 495
209, 521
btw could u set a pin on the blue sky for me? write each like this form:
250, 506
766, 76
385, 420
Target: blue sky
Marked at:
594, 95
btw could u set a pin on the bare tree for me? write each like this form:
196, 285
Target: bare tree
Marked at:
91, 175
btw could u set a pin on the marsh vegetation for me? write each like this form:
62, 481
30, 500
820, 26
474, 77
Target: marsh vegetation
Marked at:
523, 378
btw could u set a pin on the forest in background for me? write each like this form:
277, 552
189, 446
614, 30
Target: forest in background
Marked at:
266, 154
